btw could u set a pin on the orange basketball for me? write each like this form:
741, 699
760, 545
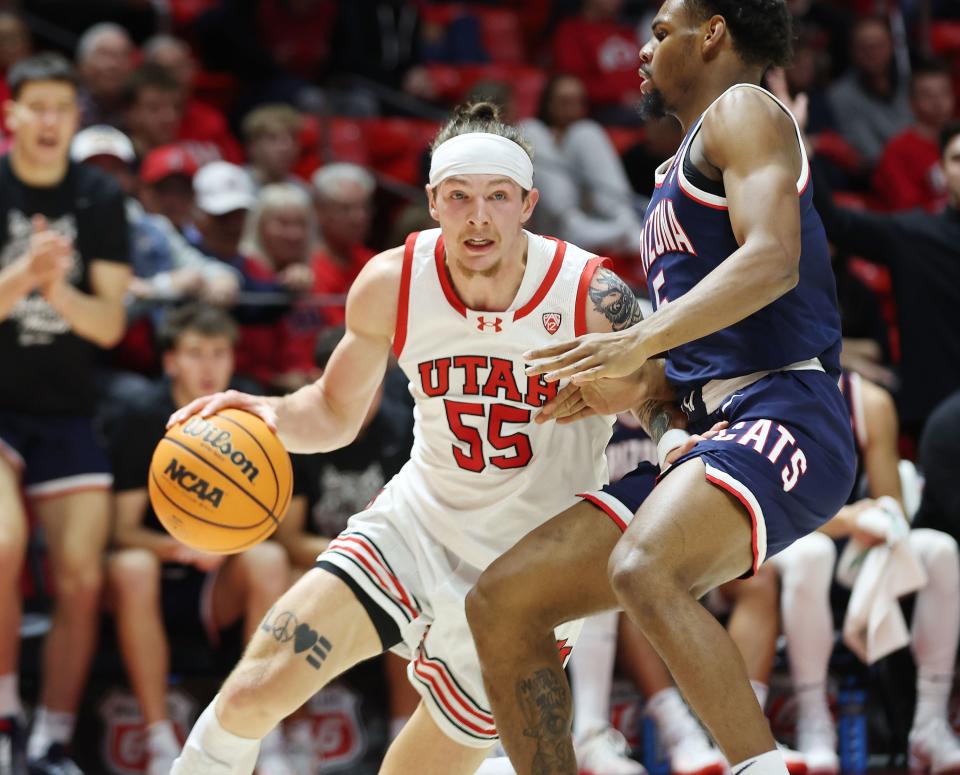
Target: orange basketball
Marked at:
221, 483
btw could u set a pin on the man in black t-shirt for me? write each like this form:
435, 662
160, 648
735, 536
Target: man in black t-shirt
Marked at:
63, 273
155, 584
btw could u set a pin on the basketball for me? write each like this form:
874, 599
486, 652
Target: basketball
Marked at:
221, 483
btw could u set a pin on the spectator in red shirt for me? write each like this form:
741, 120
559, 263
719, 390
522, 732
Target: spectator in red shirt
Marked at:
344, 200
604, 54
166, 184
201, 123
105, 62
270, 134
909, 173
281, 233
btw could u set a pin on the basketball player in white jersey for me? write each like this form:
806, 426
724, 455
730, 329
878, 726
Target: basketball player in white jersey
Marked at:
458, 306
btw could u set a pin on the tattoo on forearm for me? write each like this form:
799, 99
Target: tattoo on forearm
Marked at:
656, 417
285, 627
613, 299
544, 699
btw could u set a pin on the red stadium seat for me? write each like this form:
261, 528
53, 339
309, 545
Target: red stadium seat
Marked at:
945, 37
452, 82
502, 35
624, 137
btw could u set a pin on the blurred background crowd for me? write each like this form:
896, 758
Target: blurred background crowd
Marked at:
269, 148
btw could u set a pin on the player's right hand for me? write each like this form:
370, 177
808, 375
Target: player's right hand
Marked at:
678, 452
229, 399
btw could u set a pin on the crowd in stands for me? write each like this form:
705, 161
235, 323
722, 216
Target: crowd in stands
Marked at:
265, 151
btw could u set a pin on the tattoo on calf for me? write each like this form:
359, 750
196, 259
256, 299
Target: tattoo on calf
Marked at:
613, 299
545, 703
656, 417
284, 627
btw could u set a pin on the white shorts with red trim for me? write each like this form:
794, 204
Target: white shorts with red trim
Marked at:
422, 586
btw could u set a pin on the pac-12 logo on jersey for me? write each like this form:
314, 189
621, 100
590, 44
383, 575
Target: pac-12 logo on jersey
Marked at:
551, 322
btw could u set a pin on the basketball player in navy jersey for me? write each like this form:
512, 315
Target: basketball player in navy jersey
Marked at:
738, 268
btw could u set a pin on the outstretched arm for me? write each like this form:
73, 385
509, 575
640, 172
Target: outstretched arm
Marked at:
752, 142
328, 413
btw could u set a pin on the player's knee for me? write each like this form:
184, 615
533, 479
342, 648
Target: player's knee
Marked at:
246, 695
133, 574
807, 567
938, 550
764, 586
634, 576
78, 590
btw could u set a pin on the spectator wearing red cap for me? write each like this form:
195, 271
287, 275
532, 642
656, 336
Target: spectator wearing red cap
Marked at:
344, 202
201, 123
164, 263
603, 53
166, 184
909, 173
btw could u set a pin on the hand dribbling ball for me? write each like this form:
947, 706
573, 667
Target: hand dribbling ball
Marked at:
221, 483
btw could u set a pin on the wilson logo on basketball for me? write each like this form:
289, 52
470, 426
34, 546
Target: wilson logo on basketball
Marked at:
551, 322
221, 441
189, 481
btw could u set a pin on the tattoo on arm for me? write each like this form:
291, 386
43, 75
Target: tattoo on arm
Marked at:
544, 699
656, 417
613, 299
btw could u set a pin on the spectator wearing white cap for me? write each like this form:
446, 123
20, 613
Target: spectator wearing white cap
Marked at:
164, 264
224, 196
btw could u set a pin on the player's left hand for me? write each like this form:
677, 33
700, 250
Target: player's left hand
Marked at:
603, 396
590, 357
678, 452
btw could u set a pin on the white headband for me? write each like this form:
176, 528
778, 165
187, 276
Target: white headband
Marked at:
481, 153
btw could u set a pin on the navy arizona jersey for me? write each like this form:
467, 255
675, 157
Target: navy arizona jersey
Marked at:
687, 234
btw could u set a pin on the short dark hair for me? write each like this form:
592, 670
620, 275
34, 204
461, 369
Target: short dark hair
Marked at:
930, 66
47, 66
202, 319
149, 75
761, 29
951, 130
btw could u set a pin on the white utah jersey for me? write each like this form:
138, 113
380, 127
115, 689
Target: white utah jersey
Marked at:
482, 474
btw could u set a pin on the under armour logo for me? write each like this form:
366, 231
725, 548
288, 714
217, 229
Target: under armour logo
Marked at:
495, 324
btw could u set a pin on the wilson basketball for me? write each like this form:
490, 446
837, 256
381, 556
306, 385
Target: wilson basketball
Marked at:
220, 483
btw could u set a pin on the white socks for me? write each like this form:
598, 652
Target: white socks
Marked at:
162, 739
769, 763
667, 708
761, 690
498, 765
932, 695
212, 750
49, 727
812, 703
10, 696
591, 672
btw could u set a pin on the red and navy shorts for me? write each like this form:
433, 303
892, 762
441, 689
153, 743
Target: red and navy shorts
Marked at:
787, 455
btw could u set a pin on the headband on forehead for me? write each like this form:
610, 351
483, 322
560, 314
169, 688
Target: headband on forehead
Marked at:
481, 153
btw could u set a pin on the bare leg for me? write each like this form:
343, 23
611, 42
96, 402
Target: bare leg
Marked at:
248, 584
512, 611
422, 748
13, 546
133, 594
76, 528
687, 538
755, 623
